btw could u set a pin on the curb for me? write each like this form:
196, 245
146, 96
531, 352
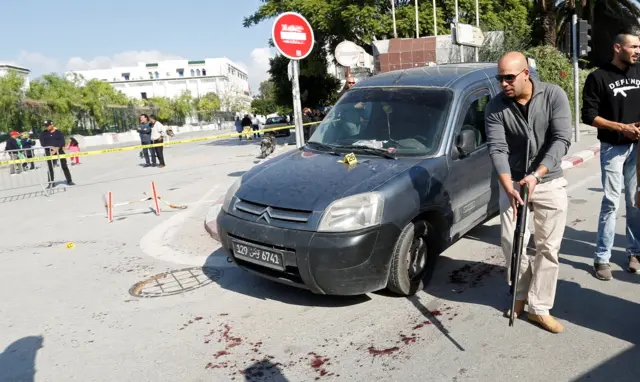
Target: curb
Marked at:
580, 157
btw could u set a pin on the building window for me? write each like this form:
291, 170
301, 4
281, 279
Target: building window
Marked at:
192, 73
150, 75
204, 72
180, 72
143, 95
125, 76
198, 72
157, 75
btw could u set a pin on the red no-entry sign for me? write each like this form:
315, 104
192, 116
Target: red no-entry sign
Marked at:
292, 35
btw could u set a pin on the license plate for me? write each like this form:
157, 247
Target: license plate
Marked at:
265, 257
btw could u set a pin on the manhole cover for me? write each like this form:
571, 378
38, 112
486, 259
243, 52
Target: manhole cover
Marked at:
175, 282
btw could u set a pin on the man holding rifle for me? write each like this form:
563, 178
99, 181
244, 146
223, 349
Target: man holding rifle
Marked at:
536, 114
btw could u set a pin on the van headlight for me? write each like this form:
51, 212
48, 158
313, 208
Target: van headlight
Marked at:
353, 213
230, 193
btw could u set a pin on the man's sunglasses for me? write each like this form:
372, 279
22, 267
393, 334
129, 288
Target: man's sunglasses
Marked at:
508, 77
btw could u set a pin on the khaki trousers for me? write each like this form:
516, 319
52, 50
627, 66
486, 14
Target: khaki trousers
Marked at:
539, 270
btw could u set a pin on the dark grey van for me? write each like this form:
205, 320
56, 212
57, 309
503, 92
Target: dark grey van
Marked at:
423, 178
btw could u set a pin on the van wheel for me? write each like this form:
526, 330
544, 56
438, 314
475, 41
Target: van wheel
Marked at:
410, 260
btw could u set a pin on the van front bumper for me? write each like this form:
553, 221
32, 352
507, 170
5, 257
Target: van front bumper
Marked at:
351, 263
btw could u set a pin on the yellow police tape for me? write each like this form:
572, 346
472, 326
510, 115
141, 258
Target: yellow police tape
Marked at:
139, 147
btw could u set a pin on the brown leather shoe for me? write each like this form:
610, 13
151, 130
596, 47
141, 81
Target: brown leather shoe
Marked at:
547, 322
519, 308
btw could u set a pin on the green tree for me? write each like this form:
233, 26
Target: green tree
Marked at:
64, 99
162, 106
97, 96
207, 105
363, 21
182, 106
11, 93
267, 90
263, 106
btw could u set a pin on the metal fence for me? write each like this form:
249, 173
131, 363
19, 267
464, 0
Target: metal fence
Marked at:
24, 180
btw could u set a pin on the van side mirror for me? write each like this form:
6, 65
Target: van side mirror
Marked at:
466, 142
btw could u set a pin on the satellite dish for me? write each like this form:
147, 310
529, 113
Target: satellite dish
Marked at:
347, 53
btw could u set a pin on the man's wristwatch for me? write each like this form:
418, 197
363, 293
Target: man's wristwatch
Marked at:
535, 175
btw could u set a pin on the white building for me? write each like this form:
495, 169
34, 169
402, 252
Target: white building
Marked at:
171, 78
23, 72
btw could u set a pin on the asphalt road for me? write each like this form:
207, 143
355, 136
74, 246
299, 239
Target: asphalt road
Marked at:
67, 313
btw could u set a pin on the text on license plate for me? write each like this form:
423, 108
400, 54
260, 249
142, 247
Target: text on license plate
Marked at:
258, 255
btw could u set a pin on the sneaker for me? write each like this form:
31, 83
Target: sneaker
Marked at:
634, 264
70, 183
603, 271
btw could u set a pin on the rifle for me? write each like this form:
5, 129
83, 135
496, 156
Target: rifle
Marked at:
518, 240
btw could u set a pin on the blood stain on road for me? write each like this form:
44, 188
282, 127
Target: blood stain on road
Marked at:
377, 352
421, 325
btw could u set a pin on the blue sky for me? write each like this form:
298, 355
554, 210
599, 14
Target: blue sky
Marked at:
59, 35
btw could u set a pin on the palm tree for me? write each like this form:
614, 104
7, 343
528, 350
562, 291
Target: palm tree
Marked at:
552, 15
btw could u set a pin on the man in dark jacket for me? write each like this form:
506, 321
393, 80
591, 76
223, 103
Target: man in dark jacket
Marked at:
145, 138
53, 141
537, 114
610, 101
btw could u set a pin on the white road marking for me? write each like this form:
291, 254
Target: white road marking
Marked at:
163, 208
156, 243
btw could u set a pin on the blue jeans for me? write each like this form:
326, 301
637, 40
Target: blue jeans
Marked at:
618, 166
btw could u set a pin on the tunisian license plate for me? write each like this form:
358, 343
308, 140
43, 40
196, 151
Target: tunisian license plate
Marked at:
265, 257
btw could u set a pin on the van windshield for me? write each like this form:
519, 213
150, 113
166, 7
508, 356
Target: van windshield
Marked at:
403, 121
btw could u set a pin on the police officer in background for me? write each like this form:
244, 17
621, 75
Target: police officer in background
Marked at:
53, 141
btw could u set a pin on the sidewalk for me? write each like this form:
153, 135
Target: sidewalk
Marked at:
587, 148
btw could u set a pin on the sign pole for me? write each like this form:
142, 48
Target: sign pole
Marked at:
417, 27
435, 23
297, 106
293, 37
393, 14
478, 25
460, 45
576, 74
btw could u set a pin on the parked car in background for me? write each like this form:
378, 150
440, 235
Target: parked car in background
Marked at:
422, 179
278, 121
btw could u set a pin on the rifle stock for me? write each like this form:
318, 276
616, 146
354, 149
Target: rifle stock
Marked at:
518, 241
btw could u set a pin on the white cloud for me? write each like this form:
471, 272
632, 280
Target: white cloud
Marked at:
130, 58
38, 63
258, 69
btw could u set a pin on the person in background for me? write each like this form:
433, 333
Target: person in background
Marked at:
239, 127
52, 140
27, 144
74, 147
12, 146
145, 139
246, 126
158, 132
255, 126
610, 100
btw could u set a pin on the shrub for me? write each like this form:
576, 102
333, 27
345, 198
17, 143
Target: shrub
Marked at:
554, 67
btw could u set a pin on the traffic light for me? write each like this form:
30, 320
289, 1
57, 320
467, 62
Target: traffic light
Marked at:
584, 38
565, 42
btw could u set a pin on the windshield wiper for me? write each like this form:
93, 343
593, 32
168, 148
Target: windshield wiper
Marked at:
369, 150
328, 148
